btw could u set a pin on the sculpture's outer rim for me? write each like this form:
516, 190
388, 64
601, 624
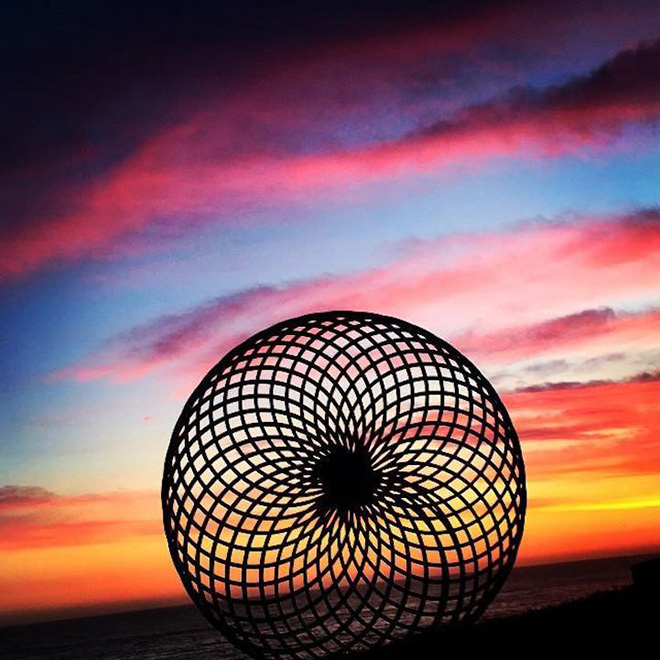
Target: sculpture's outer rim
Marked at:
202, 606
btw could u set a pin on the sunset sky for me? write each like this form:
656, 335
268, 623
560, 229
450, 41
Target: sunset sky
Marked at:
172, 182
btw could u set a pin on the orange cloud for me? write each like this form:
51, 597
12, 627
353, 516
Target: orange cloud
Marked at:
605, 429
32, 517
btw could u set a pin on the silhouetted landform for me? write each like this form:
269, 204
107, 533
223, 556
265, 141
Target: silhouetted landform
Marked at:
646, 577
626, 619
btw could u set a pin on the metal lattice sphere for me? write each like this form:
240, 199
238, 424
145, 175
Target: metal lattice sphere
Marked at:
340, 481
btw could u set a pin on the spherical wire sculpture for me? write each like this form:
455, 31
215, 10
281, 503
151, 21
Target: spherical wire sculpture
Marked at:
340, 481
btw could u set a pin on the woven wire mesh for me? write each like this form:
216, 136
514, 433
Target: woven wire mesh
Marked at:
339, 481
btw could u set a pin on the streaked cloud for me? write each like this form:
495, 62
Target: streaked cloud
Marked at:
606, 427
33, 517
189, 173
537, 290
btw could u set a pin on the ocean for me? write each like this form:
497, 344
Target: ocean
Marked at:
181, 633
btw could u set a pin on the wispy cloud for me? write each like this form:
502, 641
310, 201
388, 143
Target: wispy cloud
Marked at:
15, 496
189, 172
33, 517
563, 117
606, 429
598, 330
500, 297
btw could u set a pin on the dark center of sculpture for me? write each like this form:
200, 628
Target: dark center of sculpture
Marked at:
347, 478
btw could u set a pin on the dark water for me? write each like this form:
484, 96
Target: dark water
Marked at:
181, 633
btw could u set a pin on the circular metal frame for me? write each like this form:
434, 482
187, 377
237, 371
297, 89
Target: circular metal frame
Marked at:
339, 481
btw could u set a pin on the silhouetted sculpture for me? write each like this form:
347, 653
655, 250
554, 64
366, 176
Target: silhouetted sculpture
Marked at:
339, 481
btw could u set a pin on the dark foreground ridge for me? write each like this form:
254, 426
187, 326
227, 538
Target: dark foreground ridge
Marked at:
597, 624
625, 619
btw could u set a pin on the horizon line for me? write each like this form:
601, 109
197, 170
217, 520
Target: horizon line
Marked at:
82, 612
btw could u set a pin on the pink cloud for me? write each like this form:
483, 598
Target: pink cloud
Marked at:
500, 297
598, 329
185, 174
